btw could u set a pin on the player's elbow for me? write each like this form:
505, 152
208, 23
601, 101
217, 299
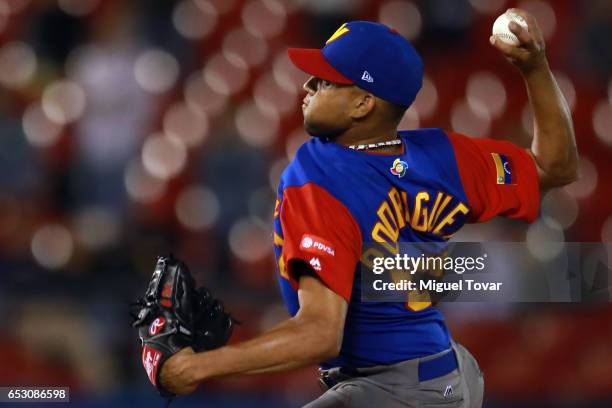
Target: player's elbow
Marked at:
322, 340
328, 346
562, 175
558, 171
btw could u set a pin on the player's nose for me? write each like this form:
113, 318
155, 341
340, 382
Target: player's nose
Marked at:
310, 85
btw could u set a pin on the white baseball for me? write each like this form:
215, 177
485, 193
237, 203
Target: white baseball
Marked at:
502, 31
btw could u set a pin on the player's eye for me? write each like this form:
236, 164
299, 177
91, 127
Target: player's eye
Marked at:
325, 84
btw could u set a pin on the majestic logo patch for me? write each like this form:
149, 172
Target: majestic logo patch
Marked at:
150, 361
316, 245
315, 263
367, 77
157, 325
339, 33
399, 168
448, 392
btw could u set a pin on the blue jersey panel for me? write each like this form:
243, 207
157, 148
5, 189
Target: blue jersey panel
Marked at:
422, 183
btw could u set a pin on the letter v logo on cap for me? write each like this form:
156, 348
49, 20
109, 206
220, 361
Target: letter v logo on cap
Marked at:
339, 32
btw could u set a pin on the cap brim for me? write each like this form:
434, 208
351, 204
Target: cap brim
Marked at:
312, 61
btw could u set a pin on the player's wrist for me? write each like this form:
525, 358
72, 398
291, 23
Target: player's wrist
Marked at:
535, 69
199, 366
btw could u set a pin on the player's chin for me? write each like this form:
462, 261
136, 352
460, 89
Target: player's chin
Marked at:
320, 130
318, 127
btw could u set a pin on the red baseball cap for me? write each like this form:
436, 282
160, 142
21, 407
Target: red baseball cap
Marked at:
313, 62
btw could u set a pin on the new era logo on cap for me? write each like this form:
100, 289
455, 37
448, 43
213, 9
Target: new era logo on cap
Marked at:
367, 77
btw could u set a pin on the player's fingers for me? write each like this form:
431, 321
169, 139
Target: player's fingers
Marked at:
522, 34
510, 51
532, 23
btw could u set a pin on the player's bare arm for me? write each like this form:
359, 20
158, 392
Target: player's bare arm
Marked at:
554, 146
317, 328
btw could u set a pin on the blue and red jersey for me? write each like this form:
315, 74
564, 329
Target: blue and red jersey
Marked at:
332, 199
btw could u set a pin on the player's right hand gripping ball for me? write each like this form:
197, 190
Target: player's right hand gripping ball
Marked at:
501, 28
174, 314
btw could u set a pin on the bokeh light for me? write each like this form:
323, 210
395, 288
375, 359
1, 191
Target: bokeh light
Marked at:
226, 76
426, 101
78, 8
545, 240
543, 13
276, 170
403, 16
96, 227
469, 122
222, 6
410, 120
292, 6
256, 128
567, 88
156, 70
241, 44
486, 95
296, 138
194, 19
163, 157
602, 121
264, 18
273, 99
186, 124
52, 246
197, 207
17, 65
5, 12
488, 6
587, 180
17, 6
606, 230
39, 130
261, 205
141, 186
249, 240
63, 101
559, 208
286, 74
202, 98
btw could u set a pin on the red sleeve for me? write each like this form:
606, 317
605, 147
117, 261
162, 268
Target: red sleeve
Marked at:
498, 177
319, 230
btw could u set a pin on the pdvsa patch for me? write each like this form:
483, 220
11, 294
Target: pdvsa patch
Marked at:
316, 245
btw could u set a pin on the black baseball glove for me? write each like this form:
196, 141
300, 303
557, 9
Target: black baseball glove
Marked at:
174, 314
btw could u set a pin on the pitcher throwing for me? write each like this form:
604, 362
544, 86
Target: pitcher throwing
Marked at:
359, 179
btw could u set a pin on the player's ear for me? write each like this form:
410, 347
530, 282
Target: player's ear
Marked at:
364, 103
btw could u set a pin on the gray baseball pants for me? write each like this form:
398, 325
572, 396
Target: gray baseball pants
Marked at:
398, 386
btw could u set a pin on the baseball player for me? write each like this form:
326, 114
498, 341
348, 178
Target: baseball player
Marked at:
359, 179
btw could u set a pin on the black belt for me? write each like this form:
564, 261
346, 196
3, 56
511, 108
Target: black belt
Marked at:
427, 370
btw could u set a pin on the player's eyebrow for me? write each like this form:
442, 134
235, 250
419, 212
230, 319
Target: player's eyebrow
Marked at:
314, 82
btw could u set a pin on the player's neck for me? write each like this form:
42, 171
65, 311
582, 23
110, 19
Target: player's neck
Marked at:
365, 135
